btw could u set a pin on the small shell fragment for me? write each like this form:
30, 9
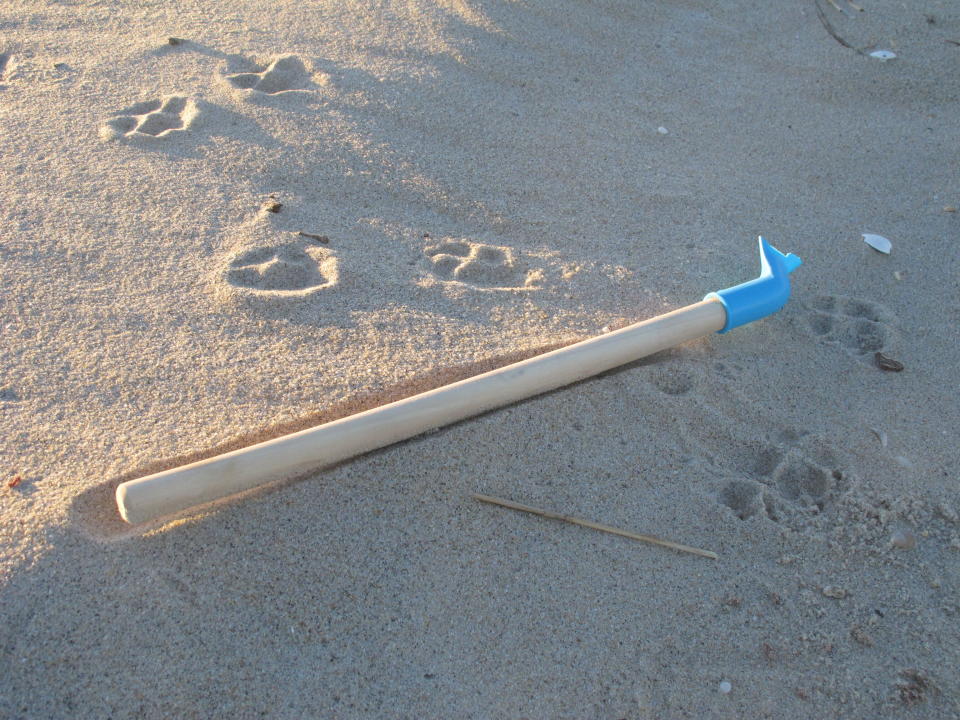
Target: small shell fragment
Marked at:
881, 436
662, 130
725, 687
883, 55
903, 539
861, 636
878, 243
831, 591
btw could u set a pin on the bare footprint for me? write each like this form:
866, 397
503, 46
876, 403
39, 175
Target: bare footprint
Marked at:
859, 326
153, 119
295, 269
282, 75
486, 267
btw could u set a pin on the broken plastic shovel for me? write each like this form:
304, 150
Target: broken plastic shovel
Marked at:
182, 488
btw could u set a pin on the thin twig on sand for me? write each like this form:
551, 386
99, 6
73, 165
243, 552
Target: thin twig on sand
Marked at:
829, 28
596, 526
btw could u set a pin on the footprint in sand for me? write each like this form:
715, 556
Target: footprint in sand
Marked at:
170, 115
295, 269
485, 267
674, 378
785, 484
861, 327
4, 59
283, 75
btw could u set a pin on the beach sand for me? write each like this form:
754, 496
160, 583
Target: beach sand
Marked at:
297, 210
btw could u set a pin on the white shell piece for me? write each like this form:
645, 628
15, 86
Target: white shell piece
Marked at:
903, 461
878, 243
881, 436
883, 55
903, 539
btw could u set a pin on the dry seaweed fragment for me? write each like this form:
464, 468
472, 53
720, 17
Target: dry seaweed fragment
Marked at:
319, 238
889, 364
913, 687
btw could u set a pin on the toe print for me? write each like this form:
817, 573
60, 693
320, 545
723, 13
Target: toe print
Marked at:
744, 497
283, 75
287, 270
170, 115
480, 266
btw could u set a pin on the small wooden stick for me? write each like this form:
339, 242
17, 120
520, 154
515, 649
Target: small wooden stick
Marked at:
596, 526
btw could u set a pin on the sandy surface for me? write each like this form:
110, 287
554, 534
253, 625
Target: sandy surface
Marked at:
486, 179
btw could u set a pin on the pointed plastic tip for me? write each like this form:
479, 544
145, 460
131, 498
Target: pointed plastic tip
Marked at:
763, 296
790, 261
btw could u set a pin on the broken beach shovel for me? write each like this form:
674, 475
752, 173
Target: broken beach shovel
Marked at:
182, 488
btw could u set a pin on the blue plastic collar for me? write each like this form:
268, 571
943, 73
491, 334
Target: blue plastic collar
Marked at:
758, 298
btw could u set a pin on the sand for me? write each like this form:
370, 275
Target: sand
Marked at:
299, 210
